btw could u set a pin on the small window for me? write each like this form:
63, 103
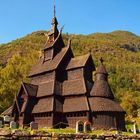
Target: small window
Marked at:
48, 54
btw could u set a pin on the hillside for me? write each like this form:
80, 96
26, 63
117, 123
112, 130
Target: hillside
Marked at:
119, 49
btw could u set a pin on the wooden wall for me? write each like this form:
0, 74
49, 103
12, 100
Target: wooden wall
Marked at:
44, 121
72, 120
75, 74
108, 120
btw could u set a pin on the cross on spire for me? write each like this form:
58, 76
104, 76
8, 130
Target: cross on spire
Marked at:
101, 60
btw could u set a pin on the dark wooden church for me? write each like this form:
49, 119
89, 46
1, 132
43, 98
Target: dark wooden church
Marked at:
61, 89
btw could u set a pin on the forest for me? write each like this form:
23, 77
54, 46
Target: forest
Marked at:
119, 49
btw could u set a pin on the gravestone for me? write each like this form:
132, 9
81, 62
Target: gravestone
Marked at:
13, 125
79, 127
7, 119
33, 126
1, 123
87, 126
135, 128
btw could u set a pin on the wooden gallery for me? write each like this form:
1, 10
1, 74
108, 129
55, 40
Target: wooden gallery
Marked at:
61, 90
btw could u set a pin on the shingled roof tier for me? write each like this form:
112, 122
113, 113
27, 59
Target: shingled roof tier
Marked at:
49, 65
101, 88
103, 104
44, 105
46, 89
79, 61
7, 111
74, 87
75, 104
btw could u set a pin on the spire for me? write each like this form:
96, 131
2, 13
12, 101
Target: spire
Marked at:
101, 68
54, 20
101, 86
54, 31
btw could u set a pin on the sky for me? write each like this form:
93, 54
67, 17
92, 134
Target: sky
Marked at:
21, 17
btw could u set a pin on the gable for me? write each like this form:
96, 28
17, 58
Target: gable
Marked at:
22, 94
80, 61
49, 65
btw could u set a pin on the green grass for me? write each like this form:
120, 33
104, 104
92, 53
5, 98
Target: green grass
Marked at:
66, 130
95, 132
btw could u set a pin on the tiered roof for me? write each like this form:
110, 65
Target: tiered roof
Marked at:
78, 62
44, 105
49, 65
102, 98
99, 104
75, 104
74, 87
101, 87
46, 89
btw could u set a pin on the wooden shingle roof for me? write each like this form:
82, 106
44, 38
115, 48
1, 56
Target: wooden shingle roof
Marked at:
101, 68
75, 104
101, 88
49, 65
98, 104
7, 111
78, 62
44, 105
45, 89
74, 87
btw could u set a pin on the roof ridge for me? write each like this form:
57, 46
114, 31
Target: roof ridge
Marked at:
88, 54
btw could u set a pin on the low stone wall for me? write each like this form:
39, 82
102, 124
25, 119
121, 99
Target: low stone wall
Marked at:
40, 135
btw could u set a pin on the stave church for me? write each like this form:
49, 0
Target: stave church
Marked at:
61, 90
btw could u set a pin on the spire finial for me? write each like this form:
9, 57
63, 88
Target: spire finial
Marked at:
90, 50
61, 28
54, 8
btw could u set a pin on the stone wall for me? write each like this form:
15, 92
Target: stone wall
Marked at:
7, 134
